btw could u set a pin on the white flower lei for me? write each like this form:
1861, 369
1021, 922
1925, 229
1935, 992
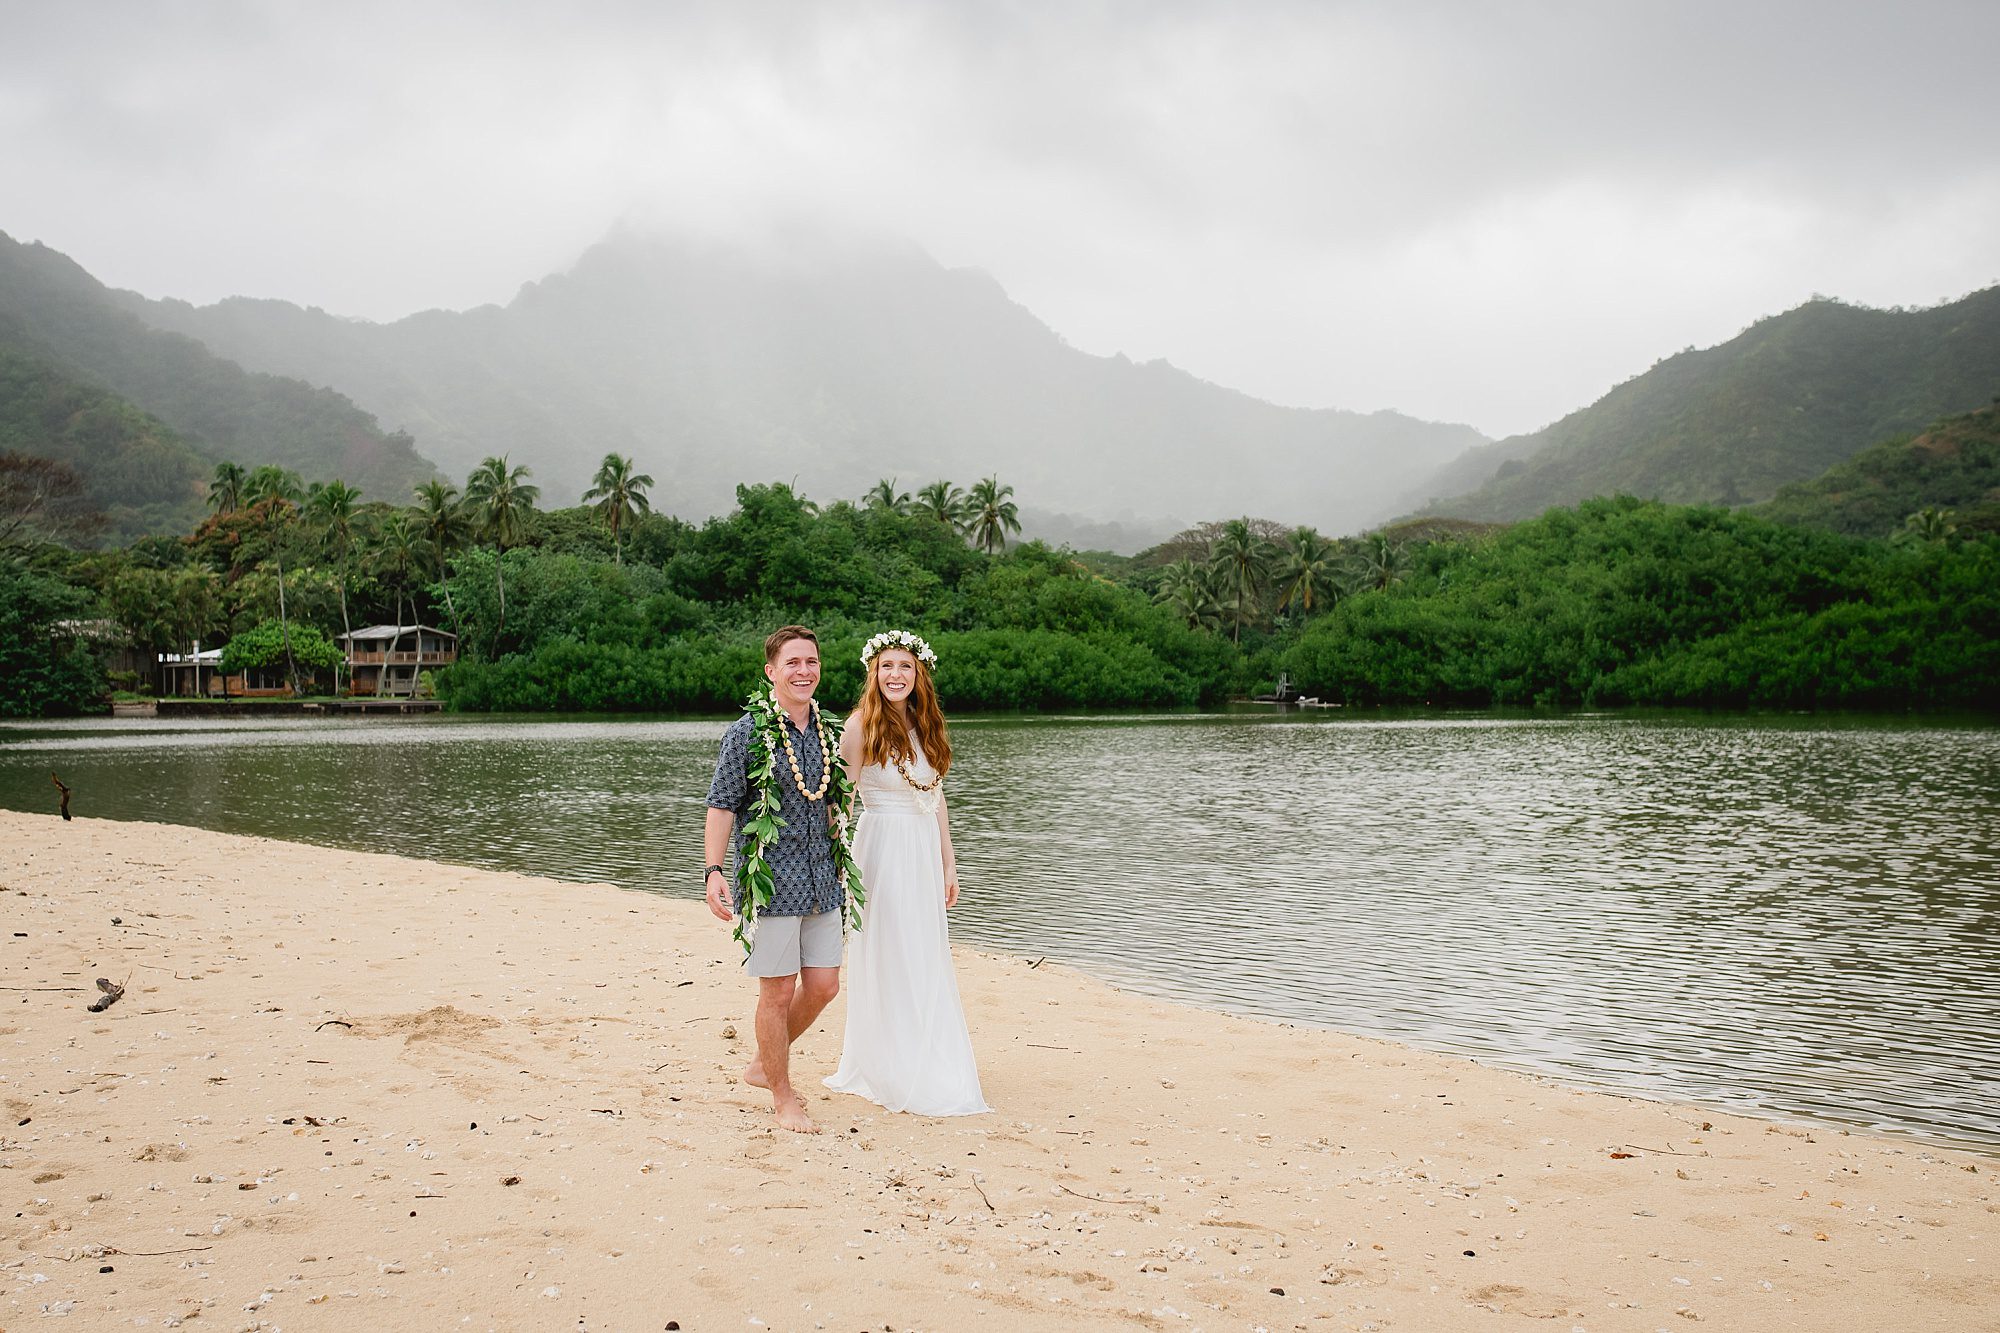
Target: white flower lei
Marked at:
898, 638
755, 884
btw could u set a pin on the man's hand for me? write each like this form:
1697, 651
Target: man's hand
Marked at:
718, 895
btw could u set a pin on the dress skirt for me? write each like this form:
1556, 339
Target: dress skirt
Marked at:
906, 1045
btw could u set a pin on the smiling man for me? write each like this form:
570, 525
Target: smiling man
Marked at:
796, 944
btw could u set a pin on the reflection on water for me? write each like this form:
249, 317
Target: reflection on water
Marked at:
1790, 916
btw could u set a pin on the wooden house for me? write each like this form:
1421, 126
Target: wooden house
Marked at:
198, 675
388, 659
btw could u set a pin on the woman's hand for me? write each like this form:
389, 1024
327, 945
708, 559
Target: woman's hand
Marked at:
951, 889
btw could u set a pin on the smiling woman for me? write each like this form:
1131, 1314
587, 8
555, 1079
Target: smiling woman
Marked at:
906, 1045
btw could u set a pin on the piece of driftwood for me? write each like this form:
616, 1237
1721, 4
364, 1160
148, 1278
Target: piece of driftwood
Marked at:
65, 794
113, 993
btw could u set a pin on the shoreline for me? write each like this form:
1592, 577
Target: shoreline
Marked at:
1560, 1078
1135, 984
284, 1095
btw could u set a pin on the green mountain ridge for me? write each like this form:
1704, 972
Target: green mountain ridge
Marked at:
830, 361
1788, 398
1954, 465
55, 316
138, 473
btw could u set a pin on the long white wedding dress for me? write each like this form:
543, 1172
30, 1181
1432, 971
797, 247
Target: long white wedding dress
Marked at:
906, 1046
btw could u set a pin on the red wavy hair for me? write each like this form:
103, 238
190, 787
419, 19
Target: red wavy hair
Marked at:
882, 741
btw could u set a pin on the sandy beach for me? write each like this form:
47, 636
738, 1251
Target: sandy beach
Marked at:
356, 1091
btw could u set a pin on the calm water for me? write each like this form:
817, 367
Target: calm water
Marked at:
1790, 916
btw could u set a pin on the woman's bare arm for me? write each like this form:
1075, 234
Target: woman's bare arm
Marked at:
950, 857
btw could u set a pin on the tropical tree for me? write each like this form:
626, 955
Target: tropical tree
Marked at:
1190, 590
279, 492
225, 491
944, 502
501, 499
445, 526
265, 644
329, 507
1380, 563
621, 497
170, 608
46, 667
1931, 526
883, 495
990, 514
1307, 570
271, 482
398, 556
1243, 558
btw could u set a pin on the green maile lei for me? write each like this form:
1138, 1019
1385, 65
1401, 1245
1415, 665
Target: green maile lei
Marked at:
754, 884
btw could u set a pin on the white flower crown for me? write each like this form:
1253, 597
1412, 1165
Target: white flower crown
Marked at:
898, 638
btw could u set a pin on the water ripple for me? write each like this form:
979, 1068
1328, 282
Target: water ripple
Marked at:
1787, 916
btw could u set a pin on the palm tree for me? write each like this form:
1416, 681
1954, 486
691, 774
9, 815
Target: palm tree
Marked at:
330, 508
990, 515
225, 492
1931, 526
500, 498
1244, 559
279, 488
271, 482
621, 497
1306, 569
1380, 563
1190, 589
883, 495
944, 502
399, 553
445, 527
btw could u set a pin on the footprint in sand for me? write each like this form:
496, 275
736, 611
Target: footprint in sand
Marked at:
1505, 1298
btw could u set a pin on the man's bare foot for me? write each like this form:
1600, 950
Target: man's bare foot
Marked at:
791, 1114
753, 1074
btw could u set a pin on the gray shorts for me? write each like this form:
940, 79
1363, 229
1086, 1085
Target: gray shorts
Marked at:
784, 944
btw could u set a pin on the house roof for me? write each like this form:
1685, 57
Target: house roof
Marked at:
391, 631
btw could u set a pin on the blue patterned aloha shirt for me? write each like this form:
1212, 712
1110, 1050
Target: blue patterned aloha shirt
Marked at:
802, 873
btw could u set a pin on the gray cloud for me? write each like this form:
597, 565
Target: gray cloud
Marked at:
1469, 212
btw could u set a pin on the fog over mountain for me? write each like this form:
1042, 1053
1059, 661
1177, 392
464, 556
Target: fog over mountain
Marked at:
1465, 212
832, 358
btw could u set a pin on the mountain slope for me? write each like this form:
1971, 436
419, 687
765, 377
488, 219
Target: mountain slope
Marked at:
1783, 401
60, 317
1954, 465
136, 471
833, 362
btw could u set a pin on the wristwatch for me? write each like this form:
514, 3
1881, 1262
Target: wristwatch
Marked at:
712, 870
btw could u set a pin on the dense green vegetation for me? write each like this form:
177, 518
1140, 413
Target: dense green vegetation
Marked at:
46, 667
613, 607
1635, 602
1782, 402
1952, 467
143, 414
679, 624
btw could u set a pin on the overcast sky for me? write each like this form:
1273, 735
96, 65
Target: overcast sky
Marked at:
1487, 213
